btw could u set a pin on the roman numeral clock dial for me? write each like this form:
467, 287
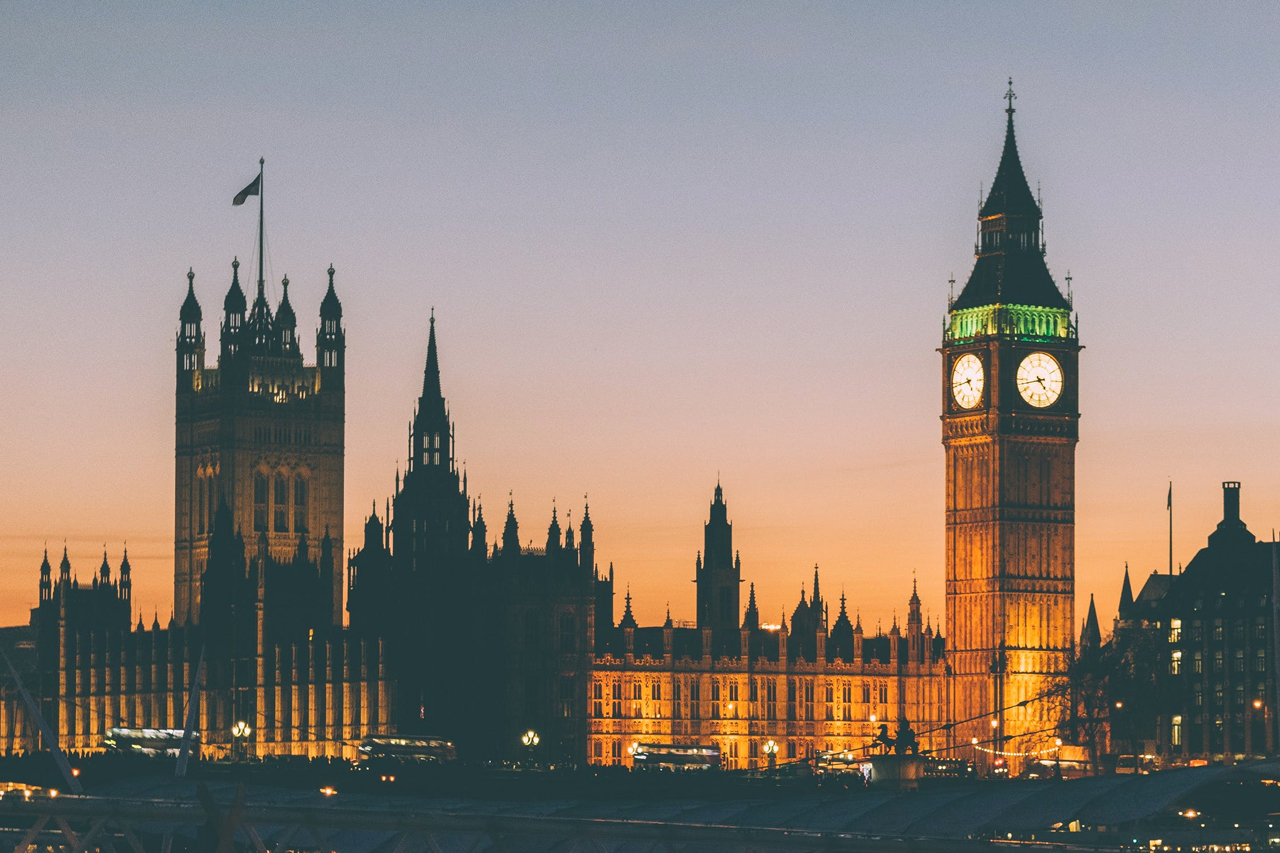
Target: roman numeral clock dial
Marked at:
967, 381
1039, 379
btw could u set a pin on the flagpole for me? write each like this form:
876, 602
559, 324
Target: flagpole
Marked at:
261, 245
1170, 527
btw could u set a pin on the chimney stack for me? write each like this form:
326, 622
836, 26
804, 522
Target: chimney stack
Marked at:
1231, 502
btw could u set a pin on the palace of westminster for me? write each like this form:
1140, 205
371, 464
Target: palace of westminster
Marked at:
450, 629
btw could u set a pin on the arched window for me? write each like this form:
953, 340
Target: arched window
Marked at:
281, 504
200, 510
300, 498
259, 502
211, 504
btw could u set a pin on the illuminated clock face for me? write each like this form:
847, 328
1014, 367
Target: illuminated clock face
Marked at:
967, 381
1040, 379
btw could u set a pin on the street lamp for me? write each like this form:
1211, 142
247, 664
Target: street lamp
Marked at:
771, 752
239, 732
530, 740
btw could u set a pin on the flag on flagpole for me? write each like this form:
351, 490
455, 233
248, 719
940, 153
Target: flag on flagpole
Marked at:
254, 188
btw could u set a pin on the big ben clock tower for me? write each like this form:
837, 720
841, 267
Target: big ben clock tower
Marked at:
1010, 416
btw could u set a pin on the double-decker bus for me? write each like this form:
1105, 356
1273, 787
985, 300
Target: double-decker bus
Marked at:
669, 756
403, 749
148, 742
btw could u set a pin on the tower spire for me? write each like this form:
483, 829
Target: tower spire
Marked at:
431, 376
1010, 267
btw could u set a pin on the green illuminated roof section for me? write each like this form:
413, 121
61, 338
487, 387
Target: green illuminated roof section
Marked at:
1025, 322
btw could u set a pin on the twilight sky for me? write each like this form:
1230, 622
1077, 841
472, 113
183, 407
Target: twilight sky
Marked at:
662, 241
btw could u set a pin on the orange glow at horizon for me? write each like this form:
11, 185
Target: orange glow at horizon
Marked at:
664, 244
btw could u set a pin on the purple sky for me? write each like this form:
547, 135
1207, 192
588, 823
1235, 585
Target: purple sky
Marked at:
662, 241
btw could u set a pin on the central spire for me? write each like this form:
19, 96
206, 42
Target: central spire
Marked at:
431, 376
1010, 267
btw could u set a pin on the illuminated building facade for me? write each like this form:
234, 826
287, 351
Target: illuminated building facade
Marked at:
1010, 412
262, 432
813, 687
258, 563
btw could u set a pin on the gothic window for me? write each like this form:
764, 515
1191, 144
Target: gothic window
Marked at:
200, 496
1238, 663
791, 699
1217, 661
733, 691
1196, 633
771, 699
635, 691
866, 693
655, 692
566, 696
597, 749
300, 498
617, 699
1197, 663
259, 503
715, 698
435, 458
884, 693
597, 701
437, 441
211, 505
568, 636
695, 699
1260, 630
1175, 662
1175, 630
1217, 629
281, 504
1175, 730
808, 699
1260, 661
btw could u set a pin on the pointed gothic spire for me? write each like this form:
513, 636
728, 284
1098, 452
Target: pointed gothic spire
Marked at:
330, 306
431, 376
235, 302
628, 618
1010, 193
1010, 267
190, 311
511, 532
668, 623
751, 621
1091, 636
553, 530
286, 320
1126, 595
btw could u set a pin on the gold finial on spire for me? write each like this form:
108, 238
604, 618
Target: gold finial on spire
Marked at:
1010, 97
